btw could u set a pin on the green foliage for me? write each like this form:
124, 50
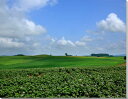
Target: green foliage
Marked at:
64, 82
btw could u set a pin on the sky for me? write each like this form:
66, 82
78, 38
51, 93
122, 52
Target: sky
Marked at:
76, 27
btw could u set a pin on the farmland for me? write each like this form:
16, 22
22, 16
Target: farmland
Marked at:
45, 61
62, 76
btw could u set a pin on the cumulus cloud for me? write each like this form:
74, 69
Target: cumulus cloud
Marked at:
18, 34
112, 24
26, 5
16, 30
90, 43
83, 41
16, 26
79, 43
10, 43
65, 42
13, 27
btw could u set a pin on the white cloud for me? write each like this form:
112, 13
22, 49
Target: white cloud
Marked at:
86, 39
79, 43
26, 5
83, 41
65, 42
18, 34
9, 43
20, 28
53, 2
112, 24
117, 46
18, 25
32, 28
53, 40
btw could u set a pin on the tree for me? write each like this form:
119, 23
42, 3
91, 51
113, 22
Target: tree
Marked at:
19, 55
124, 57
66, 54
100, 55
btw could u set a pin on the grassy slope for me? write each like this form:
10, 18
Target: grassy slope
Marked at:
23, 62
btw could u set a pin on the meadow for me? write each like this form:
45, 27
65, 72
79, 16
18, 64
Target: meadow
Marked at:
46, 61
62, 76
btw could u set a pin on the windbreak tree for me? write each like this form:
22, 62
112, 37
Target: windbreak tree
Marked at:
100, 55
66, 54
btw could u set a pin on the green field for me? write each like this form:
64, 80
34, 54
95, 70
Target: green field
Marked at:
44, 61
62, 76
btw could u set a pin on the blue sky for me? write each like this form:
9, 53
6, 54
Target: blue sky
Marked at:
58, 26
74, 17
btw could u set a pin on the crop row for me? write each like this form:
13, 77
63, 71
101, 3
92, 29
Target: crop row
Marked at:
64, 82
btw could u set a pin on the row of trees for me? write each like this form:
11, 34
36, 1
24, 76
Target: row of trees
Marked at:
101, 55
